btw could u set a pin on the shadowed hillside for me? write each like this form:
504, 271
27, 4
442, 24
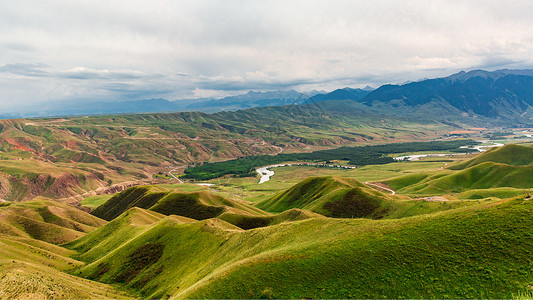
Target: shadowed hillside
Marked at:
341, 197
33, 268
46, 220
197, 205
330, 258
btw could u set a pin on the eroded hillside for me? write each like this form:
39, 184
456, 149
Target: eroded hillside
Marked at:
64, 157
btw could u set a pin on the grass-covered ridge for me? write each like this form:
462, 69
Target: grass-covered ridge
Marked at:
115, 233
514, 155
198, 205
510, 166
46, 220
481, 251
32, 265
250, 222
341, 197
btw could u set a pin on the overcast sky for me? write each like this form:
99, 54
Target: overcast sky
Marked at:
119, 50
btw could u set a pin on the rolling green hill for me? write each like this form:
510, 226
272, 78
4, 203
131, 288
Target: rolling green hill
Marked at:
514, 155
316, 194
46, 220
250, 222
486, 175
481, 251
508, 167
197, 205
31, 267
115, 233
341, 197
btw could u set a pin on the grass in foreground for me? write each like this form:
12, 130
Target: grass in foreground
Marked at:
481, 251
33, 268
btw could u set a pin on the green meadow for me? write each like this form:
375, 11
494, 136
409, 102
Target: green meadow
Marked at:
440, 227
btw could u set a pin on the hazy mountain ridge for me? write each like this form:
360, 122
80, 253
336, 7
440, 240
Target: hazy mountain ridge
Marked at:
251, 99
504, 94
342, 94
210, 105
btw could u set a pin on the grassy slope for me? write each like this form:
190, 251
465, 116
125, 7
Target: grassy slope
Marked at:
348, 198
87, 153
514, 155
46, 220
33, 268
501, 193
31, 281
249, 222
479, 251
197, 205
499, 172
114, 233
486, 175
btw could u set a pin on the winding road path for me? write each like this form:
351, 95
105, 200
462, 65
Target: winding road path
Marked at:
381, 186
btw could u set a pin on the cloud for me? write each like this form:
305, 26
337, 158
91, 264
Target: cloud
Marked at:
29, 70
120, 49
248, 81
86, 73
17, 47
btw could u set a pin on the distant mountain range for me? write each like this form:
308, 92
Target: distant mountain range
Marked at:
499, 94
504, 95
342, 94
249, 100
244, 101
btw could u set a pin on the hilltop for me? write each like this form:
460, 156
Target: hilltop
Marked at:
514, 155
32, 263
499, 172
197, 205
340, 197
327, 258
46, 220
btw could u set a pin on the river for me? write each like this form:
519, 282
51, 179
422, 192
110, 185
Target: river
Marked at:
480, 148
266, 173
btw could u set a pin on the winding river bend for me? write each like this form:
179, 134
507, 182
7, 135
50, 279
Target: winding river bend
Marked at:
266, 173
